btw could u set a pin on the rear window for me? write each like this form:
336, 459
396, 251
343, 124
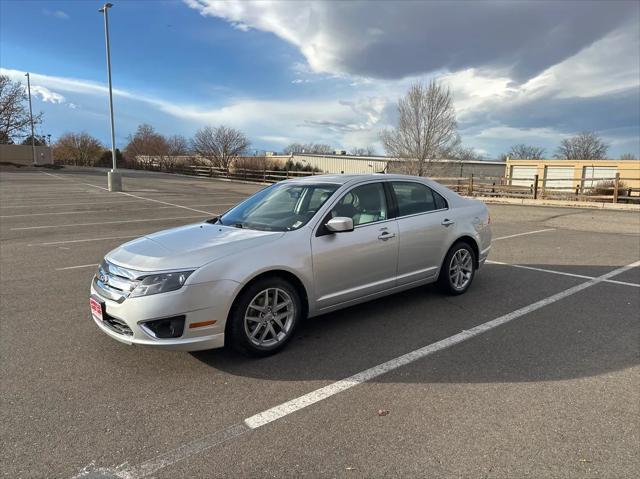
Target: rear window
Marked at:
414, 198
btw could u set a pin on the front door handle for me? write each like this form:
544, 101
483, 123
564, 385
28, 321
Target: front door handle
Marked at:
385, 235
447, 222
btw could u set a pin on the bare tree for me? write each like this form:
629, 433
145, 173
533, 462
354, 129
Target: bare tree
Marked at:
526, 152
79, 149
220, 145
14, 110
462, 153
584, 146
628, 157
177, 145
313, 148
366, 151
427, 126
146, 142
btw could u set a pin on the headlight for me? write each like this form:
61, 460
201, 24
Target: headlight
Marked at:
160, 283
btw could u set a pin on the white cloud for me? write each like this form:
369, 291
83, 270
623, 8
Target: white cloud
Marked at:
520, 134
391, 40
317, 120
281, 140
494, 109
610, 65
46, 95
60, 14
72, 85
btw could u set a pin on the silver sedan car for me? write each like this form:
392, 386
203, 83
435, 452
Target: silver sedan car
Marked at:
296, 249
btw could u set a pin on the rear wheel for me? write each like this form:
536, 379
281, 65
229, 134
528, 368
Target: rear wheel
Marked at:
264, 317
458, 269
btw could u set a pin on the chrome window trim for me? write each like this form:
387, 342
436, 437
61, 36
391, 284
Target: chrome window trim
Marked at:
374, 223
422, 212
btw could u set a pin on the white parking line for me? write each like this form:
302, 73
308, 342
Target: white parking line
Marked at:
78, 267
263, 418
313, 397
56, 176
138, 197
165, 203
522, 234
45, 192
106, 211
51, 213
213, 202
22, 228
51, 205
563, 273
85, 240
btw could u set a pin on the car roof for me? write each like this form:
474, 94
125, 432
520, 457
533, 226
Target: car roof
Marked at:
343, 179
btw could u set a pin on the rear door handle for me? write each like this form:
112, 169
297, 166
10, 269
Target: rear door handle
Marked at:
447, 222
385, 235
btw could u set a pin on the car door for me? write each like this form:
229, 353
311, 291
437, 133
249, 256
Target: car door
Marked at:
354, 264
423, 226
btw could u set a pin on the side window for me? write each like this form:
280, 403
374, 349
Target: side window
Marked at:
318, 197
441, 203
416, 198
363, 204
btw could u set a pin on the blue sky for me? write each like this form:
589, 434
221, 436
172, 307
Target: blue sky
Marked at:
332, 72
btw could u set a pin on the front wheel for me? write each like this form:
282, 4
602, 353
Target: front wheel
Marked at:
264, 317
458, 269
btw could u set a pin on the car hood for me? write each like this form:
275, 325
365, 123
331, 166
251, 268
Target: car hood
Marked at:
187, 247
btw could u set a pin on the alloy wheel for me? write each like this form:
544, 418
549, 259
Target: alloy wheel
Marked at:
269, 317
461, 269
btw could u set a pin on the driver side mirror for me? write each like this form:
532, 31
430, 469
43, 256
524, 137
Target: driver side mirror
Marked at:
339, 224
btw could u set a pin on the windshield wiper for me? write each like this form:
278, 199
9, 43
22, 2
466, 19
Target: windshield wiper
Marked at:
213, 221
238, 225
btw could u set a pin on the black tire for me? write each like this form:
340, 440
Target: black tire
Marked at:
238, 331
445, 280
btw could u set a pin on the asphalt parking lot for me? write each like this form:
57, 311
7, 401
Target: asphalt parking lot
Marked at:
550, 390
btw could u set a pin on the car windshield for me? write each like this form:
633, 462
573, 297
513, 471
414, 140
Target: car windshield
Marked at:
281, 207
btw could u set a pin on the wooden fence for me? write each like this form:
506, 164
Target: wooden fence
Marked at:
612, 189
601, 189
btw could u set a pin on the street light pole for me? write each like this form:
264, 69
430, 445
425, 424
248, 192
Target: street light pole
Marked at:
33, 144
114, 179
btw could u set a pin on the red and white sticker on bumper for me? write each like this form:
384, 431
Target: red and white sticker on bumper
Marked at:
96, 308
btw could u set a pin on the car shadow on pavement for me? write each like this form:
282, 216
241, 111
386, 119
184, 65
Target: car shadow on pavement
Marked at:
590, 333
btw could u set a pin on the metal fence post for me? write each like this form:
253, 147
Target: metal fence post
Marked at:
535, 187
616, 184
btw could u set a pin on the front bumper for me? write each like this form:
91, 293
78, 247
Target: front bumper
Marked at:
198, 303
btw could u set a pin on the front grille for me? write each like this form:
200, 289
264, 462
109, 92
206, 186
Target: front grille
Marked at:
117, 325
115, 282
